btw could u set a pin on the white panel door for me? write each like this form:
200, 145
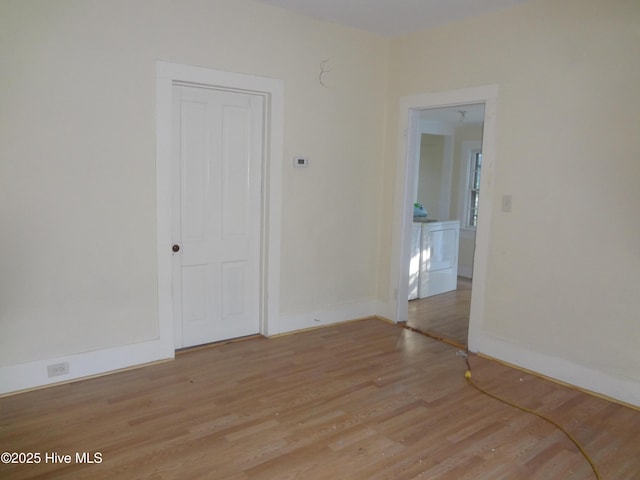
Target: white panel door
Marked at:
216, 214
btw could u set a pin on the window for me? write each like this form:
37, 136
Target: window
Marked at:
473, 188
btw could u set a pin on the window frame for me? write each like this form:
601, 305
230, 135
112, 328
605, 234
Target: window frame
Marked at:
472, 188
468, 150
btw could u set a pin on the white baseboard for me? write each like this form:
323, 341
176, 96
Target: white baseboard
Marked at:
29, 375
620, 388
15, 378
386, 310
24, 376
325, 316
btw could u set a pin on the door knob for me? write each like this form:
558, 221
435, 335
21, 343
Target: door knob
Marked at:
176, 248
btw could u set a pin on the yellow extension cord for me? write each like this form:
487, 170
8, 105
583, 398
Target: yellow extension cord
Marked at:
467, 375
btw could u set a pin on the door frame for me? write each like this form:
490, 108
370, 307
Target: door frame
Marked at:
272, 90
406, 169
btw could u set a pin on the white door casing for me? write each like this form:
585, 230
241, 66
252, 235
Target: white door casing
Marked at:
408, 127
218, 156
272, 93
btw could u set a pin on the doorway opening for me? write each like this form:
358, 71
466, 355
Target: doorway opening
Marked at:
446, 192
411, 108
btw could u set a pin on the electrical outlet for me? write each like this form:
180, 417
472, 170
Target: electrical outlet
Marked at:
57, 369
300, 162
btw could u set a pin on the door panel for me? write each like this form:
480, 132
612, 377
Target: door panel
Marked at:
233, 288
217, 210
194, 172
194, 287
235, 171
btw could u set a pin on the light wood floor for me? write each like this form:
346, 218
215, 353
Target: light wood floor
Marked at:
445, 315
362, 400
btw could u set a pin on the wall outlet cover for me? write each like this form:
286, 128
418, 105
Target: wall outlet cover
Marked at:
300, 161
58, 369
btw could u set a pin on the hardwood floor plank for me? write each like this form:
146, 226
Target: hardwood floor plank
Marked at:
363, 400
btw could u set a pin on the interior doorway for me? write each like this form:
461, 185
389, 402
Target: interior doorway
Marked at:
409, 133
270, 121
447, 190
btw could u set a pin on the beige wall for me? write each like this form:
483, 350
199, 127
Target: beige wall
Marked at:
467, 133
77, 148
430, 172
563, 266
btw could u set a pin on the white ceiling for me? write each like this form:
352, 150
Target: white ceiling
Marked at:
393, 17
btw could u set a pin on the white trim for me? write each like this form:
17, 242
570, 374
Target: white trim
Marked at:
402, 216
273, 91
335, 314
34, 374
386, 310
617, 387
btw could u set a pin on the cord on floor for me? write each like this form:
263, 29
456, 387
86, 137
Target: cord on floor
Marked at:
467, 375
470, 381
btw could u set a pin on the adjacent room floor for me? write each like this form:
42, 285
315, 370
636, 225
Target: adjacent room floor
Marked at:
361, 400
446, 315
